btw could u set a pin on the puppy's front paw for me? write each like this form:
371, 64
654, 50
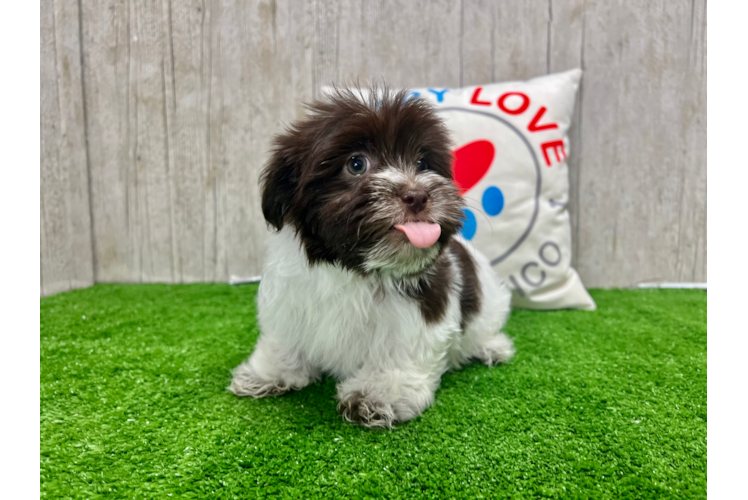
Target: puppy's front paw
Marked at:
357, 408
247, 382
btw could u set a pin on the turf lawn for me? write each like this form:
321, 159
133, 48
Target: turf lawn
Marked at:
605, 404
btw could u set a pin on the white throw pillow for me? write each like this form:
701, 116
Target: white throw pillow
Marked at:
510, 164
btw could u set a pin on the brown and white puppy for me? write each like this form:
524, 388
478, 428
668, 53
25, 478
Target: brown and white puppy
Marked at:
366, 278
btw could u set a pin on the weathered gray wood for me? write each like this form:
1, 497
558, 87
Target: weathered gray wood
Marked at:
691, 262
66, 255
181, 100
184, 97
326, 36
521, 39
265, 73
409, 43
106, 66
565, 51
282, 39
642, 181
230, 138
478, 42
193, 186
126, 103
150, 160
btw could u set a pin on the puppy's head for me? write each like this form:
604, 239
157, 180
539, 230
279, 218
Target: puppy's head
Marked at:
366, 182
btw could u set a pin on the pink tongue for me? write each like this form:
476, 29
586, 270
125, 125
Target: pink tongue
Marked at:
421, 234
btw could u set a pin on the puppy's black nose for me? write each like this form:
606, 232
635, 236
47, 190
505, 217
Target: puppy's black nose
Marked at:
416, 199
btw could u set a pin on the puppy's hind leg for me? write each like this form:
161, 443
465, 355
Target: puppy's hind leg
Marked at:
272, 370
483, 339
494, 349
483, 336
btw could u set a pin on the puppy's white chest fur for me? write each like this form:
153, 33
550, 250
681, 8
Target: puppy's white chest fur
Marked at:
340, 320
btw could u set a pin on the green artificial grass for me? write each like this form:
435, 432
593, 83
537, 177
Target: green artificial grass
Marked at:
605, 404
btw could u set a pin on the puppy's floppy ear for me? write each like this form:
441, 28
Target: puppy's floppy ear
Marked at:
278, 183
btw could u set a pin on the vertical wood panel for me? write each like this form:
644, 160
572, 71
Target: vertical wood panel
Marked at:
192, 187
106, 71
521, 39
66, 255
566, 31
54, 272
150, 192
328, 19
265, 73
184, 98
282, 40
691, 260
230, 138
127, 130
410, 43
643, 131
477, 42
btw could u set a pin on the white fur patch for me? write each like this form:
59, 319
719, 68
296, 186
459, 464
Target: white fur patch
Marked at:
365, 332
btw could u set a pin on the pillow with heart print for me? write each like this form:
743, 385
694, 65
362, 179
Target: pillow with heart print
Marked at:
510, 166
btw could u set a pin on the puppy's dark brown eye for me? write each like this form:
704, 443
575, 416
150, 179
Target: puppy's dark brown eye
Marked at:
357, 165
422, 165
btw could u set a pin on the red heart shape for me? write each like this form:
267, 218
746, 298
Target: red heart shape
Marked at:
472, 161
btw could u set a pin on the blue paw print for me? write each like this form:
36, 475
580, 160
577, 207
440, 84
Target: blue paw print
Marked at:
493, 204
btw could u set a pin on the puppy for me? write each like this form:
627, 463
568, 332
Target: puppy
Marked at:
366, 278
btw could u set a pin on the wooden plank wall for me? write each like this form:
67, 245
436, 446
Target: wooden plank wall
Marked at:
151, 148
65, 226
